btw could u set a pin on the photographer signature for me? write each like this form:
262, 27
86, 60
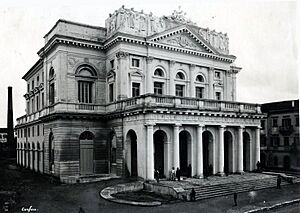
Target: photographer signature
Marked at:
30, 209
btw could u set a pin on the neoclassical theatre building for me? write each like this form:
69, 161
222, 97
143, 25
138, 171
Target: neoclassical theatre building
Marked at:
144, 92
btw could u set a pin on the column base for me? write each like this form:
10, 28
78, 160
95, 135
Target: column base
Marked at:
221, 174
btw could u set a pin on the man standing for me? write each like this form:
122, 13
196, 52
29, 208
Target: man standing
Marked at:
235, 198
193, 195
178, 174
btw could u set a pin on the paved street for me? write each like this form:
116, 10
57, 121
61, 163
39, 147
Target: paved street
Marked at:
38, 192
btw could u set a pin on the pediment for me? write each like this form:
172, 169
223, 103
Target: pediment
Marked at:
183, 37
183, 41
136, 74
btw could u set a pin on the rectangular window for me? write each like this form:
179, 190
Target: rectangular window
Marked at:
28, 87
262, 124
135, 62
286, 122
51, 94
218, 96
111, 92
33, 131
112, 64
32, 84
286, 141
43, 103
274, 122
179, 90
263, 141
27, 107
37, 81
28, 129
297, 121
32, 105
21, 133
199, 92
158, 88
25, 132
217, 74
37, 103
85, 91
135, 89
38, 130
275, 141
43, 77
296, 140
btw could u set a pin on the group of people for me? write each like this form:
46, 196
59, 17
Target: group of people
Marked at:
175, 174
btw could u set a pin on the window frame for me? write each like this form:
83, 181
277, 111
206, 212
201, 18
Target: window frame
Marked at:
182, 90
134, 89
155, 89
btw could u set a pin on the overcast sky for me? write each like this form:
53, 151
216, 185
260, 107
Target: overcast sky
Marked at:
262, 34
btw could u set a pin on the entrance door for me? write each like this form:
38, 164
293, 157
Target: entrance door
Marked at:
133, 158
86, 157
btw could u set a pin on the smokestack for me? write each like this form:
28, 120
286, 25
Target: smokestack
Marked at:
10, 118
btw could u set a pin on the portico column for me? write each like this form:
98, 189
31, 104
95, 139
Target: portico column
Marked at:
176, 145
149, 82
199, 152
149, 151
221, 151
257, 145
211, 83
240, 151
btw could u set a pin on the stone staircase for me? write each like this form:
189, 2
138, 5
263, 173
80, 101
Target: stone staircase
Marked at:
204, 192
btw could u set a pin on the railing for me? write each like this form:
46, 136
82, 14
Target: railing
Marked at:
145, 101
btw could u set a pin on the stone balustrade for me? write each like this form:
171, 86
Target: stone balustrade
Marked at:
144, 101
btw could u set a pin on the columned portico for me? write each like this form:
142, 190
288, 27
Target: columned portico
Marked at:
257, 145
221, 151
150, 157
199, 151
176, 145
240, 150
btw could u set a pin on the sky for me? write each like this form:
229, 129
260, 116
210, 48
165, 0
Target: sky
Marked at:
262, 35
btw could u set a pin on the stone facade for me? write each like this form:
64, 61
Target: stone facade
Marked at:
280, 146
145, 92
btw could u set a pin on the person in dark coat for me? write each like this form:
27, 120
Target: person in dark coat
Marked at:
278, 182
210, 169
156, 175
189, 171
178, 174
258, 166
235, 198
193, 195
81, 210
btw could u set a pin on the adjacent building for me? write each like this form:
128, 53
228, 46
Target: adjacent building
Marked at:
144, 92
280, 146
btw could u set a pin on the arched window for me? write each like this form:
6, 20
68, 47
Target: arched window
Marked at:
180, 76
87, 135
51, 73
51, 86
199, 78
159, 72
86, 76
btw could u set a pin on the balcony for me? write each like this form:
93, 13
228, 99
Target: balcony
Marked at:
286, 130
148, 101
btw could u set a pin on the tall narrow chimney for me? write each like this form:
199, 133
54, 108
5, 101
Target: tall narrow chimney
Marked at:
10, 118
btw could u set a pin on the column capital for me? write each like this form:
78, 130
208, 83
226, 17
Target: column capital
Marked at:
172, 62
241, 127
192, 66
149, 59
222, 126
122, 54
258, 127
201, 125
177, 125
150, 124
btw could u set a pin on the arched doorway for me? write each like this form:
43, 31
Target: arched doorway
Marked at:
86, 141
246, 151
286, 162
207, 138
112, 153
131, 140
51, 151
185, 153
228, 152
159, 139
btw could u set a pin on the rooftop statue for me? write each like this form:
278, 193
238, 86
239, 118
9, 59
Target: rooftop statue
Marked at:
140, 24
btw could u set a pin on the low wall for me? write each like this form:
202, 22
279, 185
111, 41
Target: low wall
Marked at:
159, 189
